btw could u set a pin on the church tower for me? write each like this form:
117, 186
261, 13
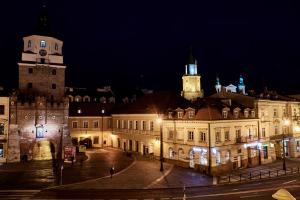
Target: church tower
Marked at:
218, 86
41, 69
191, 85
241, 85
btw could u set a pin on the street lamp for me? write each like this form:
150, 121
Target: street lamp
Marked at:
159, 121
286, 123
102, 113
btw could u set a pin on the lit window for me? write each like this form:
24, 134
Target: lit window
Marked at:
191, 114
43, 44
79, 111
40, 132
246, 113
180, 114
224, 114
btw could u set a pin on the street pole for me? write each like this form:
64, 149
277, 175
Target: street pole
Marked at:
161, 148
102, 113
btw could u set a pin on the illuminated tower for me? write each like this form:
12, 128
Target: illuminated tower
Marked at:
241, 85
191, 85
218, 86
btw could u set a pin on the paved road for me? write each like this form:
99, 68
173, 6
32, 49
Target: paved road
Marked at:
40, 174
249, 191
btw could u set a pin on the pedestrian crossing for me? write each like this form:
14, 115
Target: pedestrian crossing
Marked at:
17, 194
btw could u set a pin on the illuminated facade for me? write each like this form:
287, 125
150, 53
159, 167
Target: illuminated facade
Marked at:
4, 126
39, 109
191, 84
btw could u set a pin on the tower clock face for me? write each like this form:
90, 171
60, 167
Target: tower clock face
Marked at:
43, 52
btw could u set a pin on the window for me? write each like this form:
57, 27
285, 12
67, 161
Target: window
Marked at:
236, 114
85, 124
171, 134
218, 136
238, 133
151, 125
180, 114
53, 72
284, 112
136, 127
246, 113
130, 125
53, 86
43, 44
40, 132
202, 136
227, 136
170, 115
144, 125
75, 124
191, 114
96, 140
125, 124
263, 132
29, 44
109, 123
1, 128
224, 114
276, 130
122, 124
252, 113
118, 123
79, 111
30, 70
1, 109
96, 124
56, 47
190, 135
275, 114
1, 150
29, 85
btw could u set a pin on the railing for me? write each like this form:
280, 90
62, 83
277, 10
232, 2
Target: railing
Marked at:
257, 175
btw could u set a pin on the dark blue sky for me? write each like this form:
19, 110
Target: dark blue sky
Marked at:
139, 43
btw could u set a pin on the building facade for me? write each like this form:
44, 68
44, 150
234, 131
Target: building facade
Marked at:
4, 127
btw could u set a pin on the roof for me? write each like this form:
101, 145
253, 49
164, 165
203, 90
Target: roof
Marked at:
92, 109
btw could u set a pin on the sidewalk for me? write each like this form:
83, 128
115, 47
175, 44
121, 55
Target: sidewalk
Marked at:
144, 175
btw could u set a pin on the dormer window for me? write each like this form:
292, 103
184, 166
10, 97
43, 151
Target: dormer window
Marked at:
236, 114
170, 115
246, 113
43, 44
180, 114
79, 111
252, 113
224, 114
191, 114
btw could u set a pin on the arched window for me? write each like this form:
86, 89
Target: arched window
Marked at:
29, 44
56, 47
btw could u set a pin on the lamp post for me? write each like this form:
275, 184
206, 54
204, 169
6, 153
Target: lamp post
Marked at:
286, 124
159, 121
102, 113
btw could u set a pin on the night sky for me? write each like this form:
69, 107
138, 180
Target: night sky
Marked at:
140, 44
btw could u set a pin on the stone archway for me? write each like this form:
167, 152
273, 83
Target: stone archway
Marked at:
43, 150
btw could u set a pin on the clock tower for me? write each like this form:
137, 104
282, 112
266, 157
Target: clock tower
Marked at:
191, 85
41, 69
